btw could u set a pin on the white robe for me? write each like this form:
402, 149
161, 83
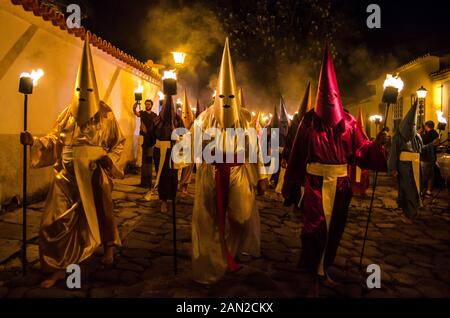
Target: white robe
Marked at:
242, 217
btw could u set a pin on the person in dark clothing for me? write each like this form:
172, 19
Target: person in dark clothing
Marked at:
167, 173
147, 121
428, 157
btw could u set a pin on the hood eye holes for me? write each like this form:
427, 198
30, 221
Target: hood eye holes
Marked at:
231, 96
222, 96
78, 89
90, 90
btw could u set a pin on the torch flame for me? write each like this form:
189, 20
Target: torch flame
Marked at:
169, 74
441, 118
214, 94
393, 81
160, 95
140, 88
35, 75
179, 101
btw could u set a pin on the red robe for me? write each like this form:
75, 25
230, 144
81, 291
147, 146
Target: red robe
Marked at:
316, 142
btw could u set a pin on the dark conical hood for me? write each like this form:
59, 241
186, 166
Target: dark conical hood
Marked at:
407, 127
167, 113
275, 122
199, 109
360, 121
284, 118
328, 101
306, 104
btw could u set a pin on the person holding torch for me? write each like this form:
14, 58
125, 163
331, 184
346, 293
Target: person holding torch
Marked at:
84, 148
147, 117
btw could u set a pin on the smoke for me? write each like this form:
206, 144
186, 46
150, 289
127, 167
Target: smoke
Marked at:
272, 57
194, 30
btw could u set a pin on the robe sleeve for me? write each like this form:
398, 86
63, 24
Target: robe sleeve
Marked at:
116, 143
294, 177
369, 155
46, 151
394, 153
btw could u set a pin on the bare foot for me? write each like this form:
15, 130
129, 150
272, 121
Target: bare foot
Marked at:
108, 256
328, 282
184, 189
406, 220
164, 206
54, 278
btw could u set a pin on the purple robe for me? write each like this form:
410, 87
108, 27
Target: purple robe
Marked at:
316, 142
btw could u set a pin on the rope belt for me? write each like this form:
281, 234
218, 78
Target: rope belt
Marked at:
163, 147
414, 158
330, 174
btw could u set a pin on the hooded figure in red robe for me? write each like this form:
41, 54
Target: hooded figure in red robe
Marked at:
327, 141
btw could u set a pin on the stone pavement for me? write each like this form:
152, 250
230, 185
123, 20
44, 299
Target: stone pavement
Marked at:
414, 259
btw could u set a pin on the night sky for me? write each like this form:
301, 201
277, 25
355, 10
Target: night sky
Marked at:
283, 54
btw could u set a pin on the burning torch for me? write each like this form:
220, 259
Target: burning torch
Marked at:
26, 83
393, 85
138, 94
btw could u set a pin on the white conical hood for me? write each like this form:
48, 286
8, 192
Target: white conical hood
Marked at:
86, 101
186, 114
226, 102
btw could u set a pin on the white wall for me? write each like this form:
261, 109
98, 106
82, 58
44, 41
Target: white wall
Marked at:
58, 53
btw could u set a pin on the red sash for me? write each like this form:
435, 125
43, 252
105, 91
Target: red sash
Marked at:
222, 174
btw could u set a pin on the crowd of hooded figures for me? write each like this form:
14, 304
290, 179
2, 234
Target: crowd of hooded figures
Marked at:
324, 154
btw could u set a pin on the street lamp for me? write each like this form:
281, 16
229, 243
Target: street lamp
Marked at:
178, 57
377, 120
421, 95
26, 83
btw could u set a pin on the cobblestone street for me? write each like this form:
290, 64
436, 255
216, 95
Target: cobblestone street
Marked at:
414, 259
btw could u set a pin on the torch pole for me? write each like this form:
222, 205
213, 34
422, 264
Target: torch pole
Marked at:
174, 214
372, 198
24, 192
174, 230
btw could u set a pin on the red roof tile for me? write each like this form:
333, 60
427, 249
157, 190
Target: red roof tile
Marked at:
50, 13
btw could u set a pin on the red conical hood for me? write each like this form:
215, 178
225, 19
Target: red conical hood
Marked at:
328, 101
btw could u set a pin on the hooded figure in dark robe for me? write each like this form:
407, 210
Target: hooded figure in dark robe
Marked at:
274, 124
404, 163
327, 142
305, 106
167, 173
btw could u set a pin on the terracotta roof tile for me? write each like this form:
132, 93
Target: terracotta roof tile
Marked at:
57, 18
